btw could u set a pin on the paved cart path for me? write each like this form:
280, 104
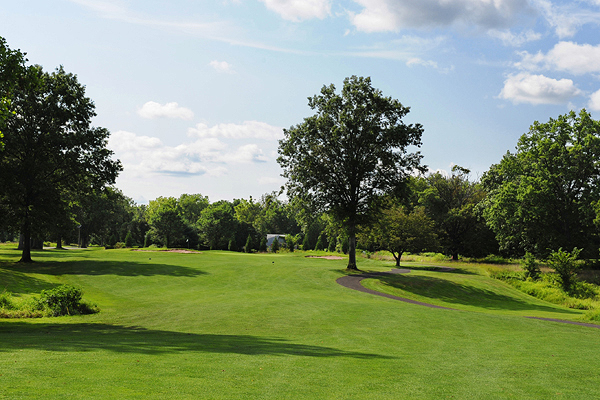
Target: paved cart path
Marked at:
354, 282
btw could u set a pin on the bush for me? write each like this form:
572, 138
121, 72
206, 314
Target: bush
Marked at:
148, 239
231, 246
306, 243
565, 264
6, 301
248, 246
129, 239
263, 244
275, 245
320, 242
531, 267
290, 242
64, 300
332, 244
345, 245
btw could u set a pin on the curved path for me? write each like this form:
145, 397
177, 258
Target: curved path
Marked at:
354, 282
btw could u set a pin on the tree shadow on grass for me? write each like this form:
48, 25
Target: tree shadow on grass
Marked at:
16, 336
435, 268
102, 267
17, 282
455, 293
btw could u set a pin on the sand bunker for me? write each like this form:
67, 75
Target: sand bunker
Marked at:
170, 251
327, 257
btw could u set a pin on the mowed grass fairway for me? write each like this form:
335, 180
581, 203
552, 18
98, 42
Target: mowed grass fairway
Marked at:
223, 325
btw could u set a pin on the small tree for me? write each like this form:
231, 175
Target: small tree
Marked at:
399, 231
332, 244
263, 244
231, 246
129, 239
320, 242
290, 242
306, 243
565, 265
148, 239
248, 246
275, 245
531, 267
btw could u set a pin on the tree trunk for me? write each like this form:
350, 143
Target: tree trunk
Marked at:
59, 242
454, 256
26, 235
352, 249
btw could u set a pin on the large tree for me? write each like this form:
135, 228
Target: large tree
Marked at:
543, 196
354, 149
52, 153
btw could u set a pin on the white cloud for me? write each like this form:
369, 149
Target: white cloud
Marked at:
144, 155
153, 110
538, 89
247, 130
222, 66
427, 63
298, 10
568, 17
515, 40
246, 154
594, 103
270, 180
577, 59
393, 15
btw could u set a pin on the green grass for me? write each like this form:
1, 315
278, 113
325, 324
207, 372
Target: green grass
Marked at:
220, 325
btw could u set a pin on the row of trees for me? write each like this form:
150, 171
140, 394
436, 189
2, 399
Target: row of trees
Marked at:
351, 176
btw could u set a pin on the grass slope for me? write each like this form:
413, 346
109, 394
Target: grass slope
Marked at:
220, 325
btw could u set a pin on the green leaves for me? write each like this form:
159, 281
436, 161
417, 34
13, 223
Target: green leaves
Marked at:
350, 151
543, 196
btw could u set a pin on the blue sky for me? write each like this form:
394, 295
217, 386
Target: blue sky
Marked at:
196, 93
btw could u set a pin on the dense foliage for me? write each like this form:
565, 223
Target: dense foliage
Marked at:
352, 150
545, 195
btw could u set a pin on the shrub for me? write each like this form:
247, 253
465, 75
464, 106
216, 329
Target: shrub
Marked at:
275, 245
306, 243
6, 301
64, 300
565, 264
345, 245
248, 246
320, 242
531, 267
263, 244
231, 246
129, 239
148, 239
332, 244
290, 242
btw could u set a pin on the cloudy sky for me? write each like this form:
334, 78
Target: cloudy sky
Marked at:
196, 92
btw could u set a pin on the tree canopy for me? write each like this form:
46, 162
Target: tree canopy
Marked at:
52, 153
545, 195
352, 150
